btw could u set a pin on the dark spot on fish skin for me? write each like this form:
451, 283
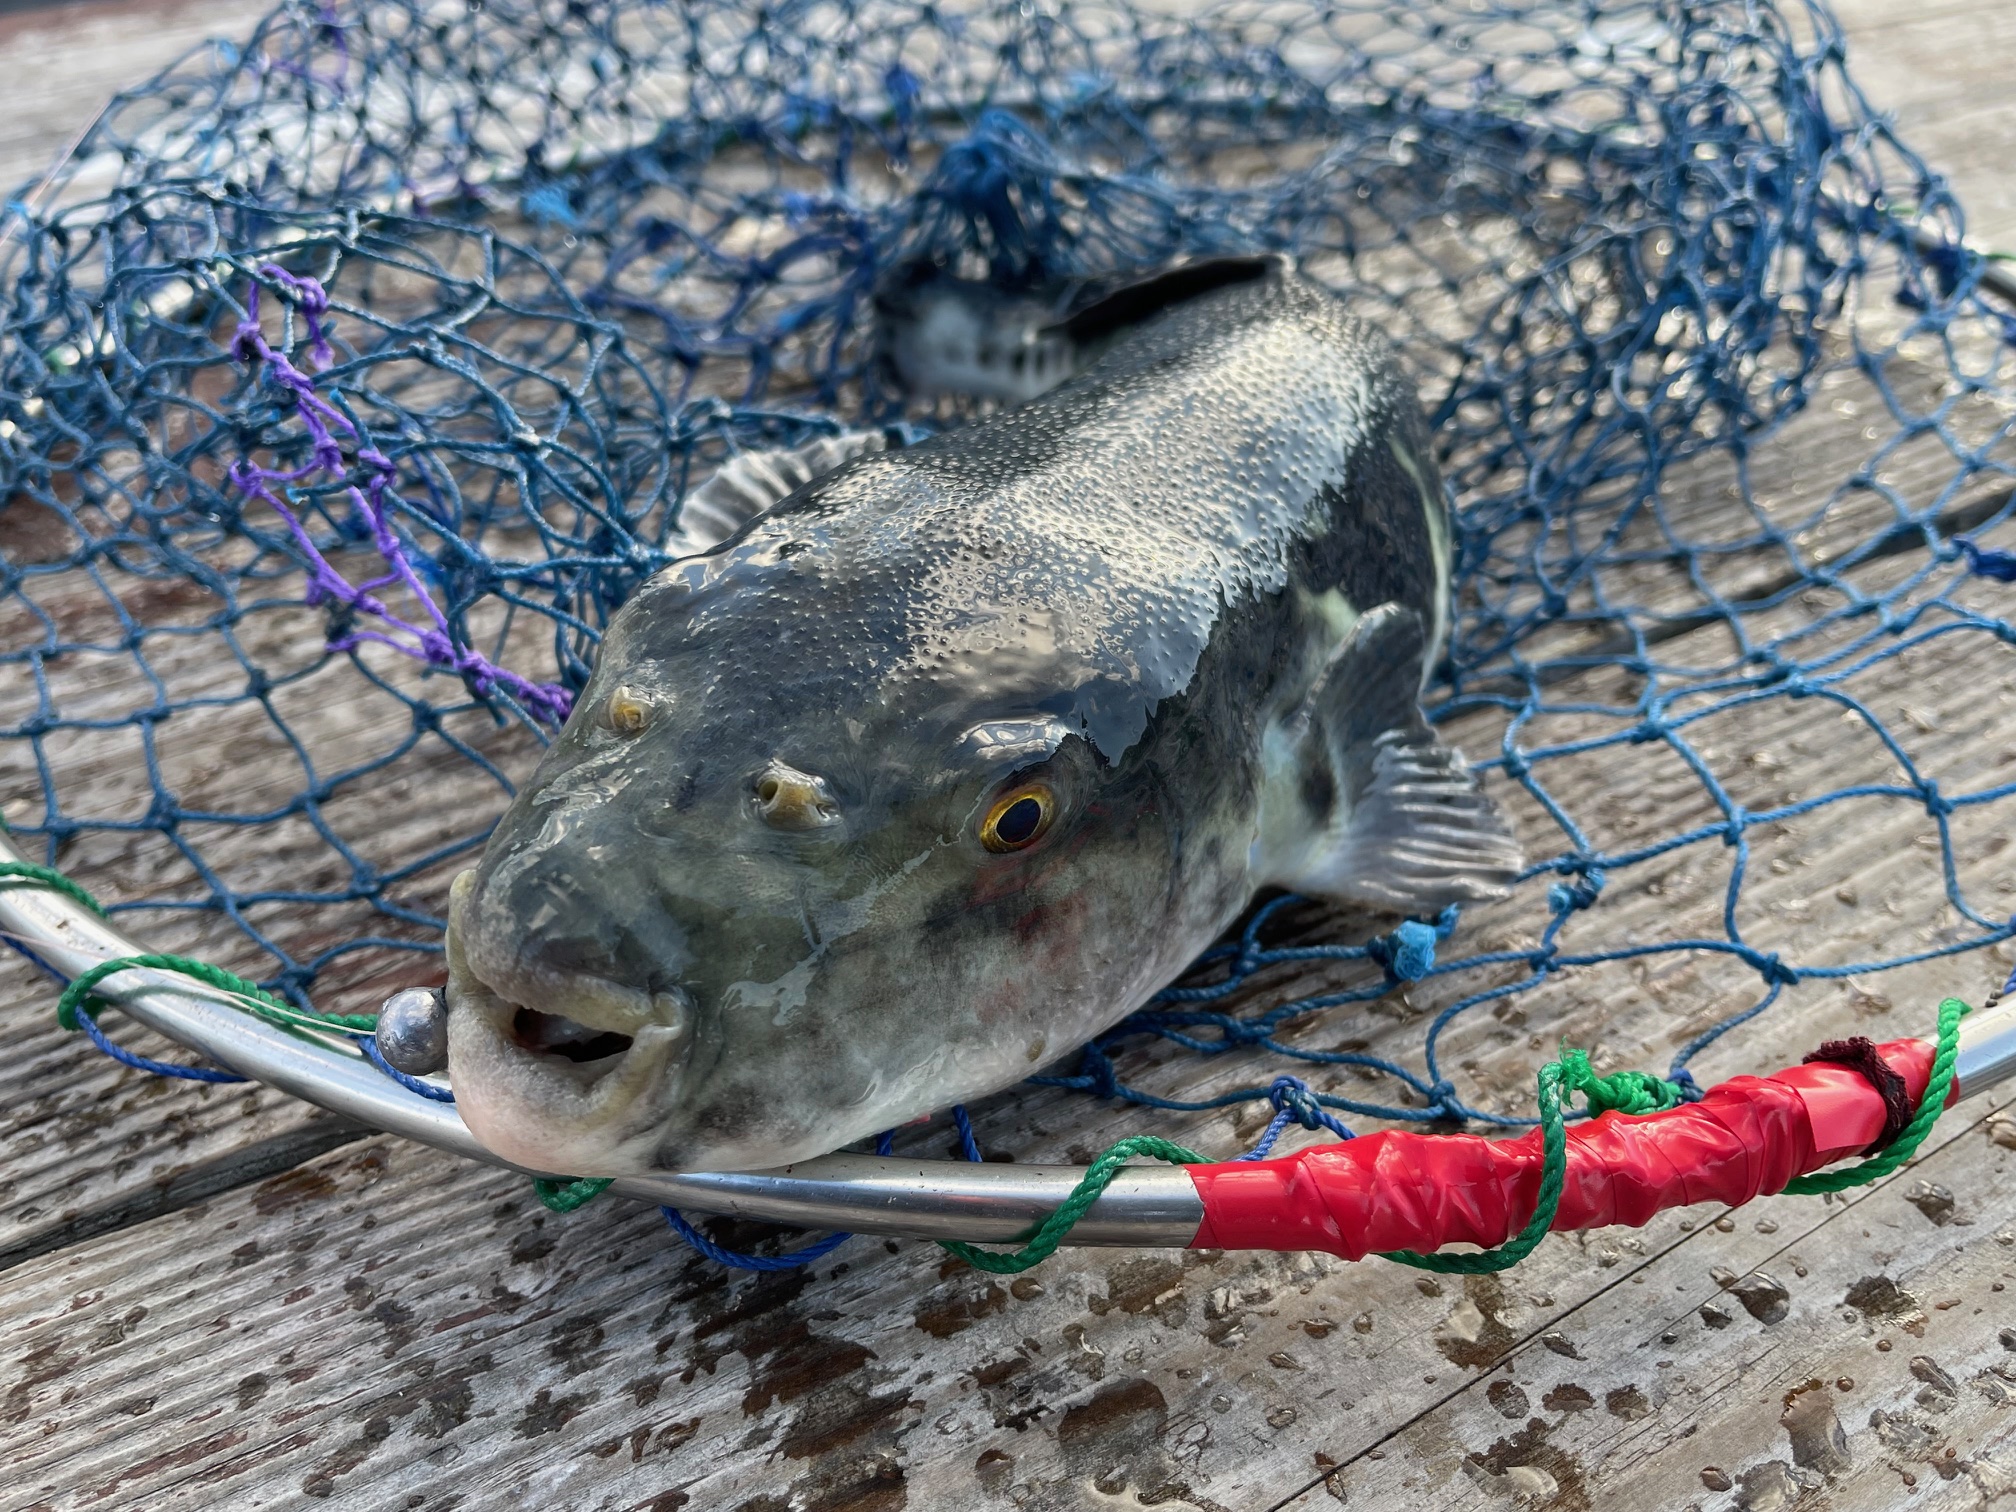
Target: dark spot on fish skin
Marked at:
1530, 1446
250, 1389
688, 792
543, 1414
1508, 1399
1568, 1397
1319, 790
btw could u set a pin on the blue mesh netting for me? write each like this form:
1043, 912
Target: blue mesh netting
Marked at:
348, 384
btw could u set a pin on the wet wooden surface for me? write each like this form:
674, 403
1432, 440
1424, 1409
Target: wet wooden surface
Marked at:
216, 1297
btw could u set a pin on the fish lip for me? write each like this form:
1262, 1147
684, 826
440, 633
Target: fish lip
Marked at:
541, 1110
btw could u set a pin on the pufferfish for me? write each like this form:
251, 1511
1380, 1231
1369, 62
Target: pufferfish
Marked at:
926, 764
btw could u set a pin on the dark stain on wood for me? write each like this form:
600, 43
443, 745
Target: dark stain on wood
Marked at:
1132, 1408
546, 1413
1880, 1297
946, 1315
1139, 1286
291, 1189
1568, 1397
1493, 1336
811, 1362
1530, 1446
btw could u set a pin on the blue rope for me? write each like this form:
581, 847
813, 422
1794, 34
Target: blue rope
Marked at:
736, 1260
87, 1020
369, 1045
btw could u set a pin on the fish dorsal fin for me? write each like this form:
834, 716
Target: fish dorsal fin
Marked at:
753, 483
1133, 303
1390, 815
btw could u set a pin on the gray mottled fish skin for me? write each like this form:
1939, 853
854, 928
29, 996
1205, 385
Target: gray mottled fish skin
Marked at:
1194, 590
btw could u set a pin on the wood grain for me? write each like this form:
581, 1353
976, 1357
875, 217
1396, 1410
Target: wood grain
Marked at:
208, 1305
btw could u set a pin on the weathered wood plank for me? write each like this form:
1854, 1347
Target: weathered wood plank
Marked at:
386, 1323
65, 59
1863, 1351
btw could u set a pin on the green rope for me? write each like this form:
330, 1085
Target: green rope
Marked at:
1937, 1089
16, 873
1553, 1173
563, 1196
1047, 1235
1621, 1091
78, 996
559, 1195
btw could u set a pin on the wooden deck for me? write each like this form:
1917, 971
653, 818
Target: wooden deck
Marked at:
218, 1297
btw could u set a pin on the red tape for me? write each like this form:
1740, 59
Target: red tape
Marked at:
1395, 1190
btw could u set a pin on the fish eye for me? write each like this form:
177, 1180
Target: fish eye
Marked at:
628, 712
1017, 819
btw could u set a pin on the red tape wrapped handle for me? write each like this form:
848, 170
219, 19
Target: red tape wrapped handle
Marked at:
1388, 1191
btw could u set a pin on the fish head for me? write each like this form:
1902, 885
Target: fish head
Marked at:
787, 877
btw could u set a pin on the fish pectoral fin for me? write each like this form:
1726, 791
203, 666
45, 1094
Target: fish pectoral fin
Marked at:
1406, 826
753, 483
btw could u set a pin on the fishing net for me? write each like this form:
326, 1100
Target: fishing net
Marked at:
350, 379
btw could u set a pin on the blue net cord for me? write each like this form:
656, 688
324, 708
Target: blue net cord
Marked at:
387, 411
885, 1144
87, 1020
368, 1043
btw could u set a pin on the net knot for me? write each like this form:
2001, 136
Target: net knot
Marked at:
1937, 803
1619, 1092
1442, 1100
1772, 968
1985, 562
1582, 892
1292, 1096
1408, 953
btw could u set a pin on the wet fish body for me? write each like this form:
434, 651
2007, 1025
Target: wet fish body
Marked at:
962, 751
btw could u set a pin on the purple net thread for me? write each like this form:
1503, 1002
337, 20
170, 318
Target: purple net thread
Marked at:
431, 643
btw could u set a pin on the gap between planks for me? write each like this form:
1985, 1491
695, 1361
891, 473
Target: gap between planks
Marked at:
1828, 1213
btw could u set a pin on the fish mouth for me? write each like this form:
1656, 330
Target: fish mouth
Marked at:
540, 1033
578, 1092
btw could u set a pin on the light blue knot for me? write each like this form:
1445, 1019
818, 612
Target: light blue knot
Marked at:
1567, 897
551, 203
1412, 952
